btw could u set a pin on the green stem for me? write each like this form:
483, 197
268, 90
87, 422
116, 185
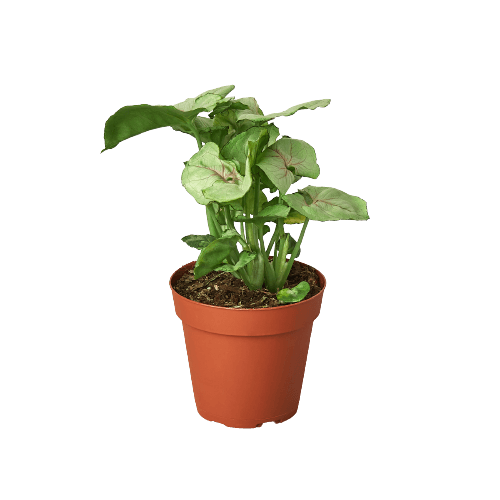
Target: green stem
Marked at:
260, 268
273, 239
280, 232
196, 134
269, 274
286, 271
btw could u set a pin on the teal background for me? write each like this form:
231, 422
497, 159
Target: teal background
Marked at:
400, 395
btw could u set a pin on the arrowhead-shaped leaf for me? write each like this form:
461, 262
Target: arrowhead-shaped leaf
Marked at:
287, 159
325, 203
207, 177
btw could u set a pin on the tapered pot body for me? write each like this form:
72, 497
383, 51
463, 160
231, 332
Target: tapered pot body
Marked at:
247, 365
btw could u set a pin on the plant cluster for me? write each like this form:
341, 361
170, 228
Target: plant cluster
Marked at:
239, 157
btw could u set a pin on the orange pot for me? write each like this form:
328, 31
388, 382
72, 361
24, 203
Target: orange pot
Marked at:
247, 365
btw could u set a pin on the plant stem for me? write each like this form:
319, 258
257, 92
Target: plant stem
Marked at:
196, 134
284, 271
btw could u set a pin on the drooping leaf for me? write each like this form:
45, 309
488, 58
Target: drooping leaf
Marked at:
207, 177
213, 255
295, 294
325, 203
250, 196
130, 121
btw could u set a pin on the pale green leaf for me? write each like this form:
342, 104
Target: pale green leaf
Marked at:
206, 100
207, 177
325, 203
322, 103
295, 294
286, 160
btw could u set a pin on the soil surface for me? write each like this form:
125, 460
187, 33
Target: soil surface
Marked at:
222, 289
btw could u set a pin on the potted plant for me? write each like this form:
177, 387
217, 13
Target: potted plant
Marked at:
247, 357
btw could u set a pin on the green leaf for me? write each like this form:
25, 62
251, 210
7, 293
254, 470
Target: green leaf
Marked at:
325, 203
287, 159
273, 133
294, 217
244, 259
236, 148
130, 121
228, 103
252, 105
266, 229
206, 100
230, 117
198, 241
267, 214
213, 255
238, 204
207, 177
209, 132
291, 244
295, 294
274, 210
322, 103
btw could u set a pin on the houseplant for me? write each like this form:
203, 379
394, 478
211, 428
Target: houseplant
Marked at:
246, 364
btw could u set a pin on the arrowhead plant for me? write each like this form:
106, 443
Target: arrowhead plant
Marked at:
239, 156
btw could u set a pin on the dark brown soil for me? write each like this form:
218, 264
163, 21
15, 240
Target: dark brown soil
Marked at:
222, 289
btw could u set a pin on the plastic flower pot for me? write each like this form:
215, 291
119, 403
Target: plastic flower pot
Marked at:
247, 365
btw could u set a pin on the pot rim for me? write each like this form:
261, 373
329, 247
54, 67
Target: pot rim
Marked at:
320, 275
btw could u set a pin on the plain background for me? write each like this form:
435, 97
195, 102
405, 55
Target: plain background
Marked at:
401, 391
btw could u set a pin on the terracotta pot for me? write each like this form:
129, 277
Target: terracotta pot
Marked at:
247, 365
